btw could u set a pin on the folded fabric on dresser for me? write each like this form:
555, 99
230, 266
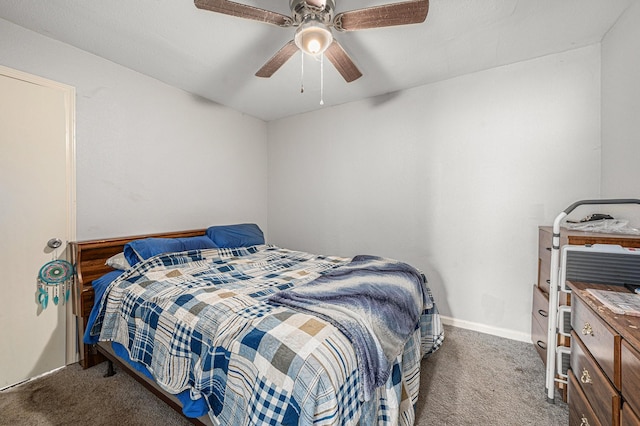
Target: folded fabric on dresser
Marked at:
375, 302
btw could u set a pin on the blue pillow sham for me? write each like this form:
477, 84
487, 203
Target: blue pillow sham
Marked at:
139, 250
241, 235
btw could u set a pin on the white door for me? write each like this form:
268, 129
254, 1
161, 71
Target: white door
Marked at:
37, 203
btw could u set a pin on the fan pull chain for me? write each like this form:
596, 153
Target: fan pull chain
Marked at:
321, 79
301, 72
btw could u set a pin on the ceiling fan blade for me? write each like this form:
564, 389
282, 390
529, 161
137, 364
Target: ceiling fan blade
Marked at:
244, 11
343, 63
277, 60
406, 12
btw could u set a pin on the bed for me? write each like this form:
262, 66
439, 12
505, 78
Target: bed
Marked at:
242, 332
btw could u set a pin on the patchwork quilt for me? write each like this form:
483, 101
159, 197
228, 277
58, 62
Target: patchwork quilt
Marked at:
202, 321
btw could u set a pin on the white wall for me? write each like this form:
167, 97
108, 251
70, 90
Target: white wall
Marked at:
452, 177
621, 111
150, 157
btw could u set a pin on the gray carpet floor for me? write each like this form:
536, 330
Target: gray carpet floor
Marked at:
474, 379
479, 379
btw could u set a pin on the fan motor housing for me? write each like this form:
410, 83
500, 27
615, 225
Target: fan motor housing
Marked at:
321, 10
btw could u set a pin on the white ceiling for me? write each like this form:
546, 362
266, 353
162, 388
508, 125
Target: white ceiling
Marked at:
216, 56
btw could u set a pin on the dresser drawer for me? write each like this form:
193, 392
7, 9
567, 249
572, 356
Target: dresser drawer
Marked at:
544, 263
539, 337
603, 397
628, 417
544, 271
544, 244
540, 305
600, 340
580, 412
544, 259
630, 366
540, 322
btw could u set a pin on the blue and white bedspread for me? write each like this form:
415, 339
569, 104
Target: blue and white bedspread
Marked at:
202, 321
375, 302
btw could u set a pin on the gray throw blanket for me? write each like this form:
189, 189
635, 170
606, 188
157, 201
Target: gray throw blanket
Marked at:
375, 302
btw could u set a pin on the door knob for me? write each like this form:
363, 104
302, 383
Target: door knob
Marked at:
54, 243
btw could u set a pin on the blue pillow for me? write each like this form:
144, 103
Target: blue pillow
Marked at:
138, 250
242, 235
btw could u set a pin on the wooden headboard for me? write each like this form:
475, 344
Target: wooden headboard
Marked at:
89, 258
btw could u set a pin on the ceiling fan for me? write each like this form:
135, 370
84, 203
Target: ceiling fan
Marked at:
314, 20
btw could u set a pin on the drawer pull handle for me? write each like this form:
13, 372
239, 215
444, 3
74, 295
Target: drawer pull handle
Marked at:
586, 377
587, 329
541, 345
548, 281
542, 313
584, 421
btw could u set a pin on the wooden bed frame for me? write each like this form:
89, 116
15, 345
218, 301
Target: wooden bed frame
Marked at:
89, 258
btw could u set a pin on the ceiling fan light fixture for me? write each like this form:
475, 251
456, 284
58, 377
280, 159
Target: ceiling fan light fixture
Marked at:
313, 37
314, 20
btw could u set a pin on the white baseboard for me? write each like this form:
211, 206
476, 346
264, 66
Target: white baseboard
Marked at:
31, 378
482, 328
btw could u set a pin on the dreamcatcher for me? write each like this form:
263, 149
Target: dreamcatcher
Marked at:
54, 276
